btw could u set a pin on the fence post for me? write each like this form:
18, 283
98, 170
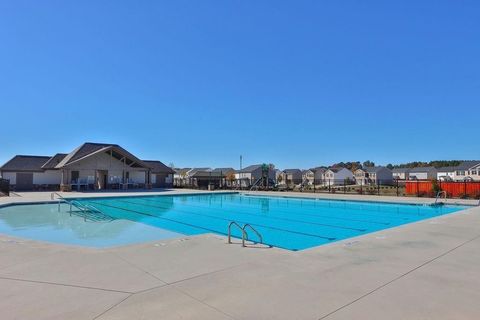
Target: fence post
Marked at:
329, 188
378, 187
398, 193
361, 186
418, 193
465, 188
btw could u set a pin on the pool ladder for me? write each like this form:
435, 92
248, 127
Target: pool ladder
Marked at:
439, 194
244, 232
88, 212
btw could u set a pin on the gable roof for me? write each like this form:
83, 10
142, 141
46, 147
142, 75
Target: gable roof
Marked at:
192, 171
54, 161
25, 163
446, 169
158, 166
250, 169
423, 170
223, 170
89, 148
374, 169
465, 165
292, 171
401, 170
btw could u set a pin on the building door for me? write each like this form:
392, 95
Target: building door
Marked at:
102, 179
160, 181
24, 181
75, 176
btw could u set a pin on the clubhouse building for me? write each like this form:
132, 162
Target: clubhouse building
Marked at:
91, 166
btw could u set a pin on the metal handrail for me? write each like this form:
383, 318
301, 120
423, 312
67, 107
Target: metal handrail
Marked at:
233, 223
246, 234
439, 193
60, 198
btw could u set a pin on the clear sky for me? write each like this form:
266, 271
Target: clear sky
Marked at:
197, 83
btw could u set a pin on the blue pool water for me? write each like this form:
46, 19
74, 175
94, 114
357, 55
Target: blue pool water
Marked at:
289, 223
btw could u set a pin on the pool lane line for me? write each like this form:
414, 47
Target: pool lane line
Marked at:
211, 230
370, 208
220, 218
280, 211
218, 210
384, 213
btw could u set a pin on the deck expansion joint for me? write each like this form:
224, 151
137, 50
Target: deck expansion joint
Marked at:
65, 285
399, 277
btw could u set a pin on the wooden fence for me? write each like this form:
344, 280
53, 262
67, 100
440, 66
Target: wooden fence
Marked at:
461, 189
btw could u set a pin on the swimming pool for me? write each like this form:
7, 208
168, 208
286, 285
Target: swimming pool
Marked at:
289, 223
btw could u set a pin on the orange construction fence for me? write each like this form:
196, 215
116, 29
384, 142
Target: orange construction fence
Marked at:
453, 189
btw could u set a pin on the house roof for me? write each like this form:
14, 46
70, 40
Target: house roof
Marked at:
465, 165
292, 171
335, 169
401, 170
90, 148
223, 170
319, 169
446, 169
25, 163
54, 161
423, 170
182, 171
250, 168
374, 169
208, 174
158, 166
192, 171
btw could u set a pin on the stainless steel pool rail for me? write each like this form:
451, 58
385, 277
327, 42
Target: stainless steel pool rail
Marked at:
230, 225
88, 211
60, 198
247, 225
439, 193
244, 232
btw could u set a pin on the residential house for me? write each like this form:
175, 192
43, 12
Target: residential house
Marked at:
468, 170
90, 166
228, 175
422, 173
373, 176
292, 176
337, 176
308, 177
248, 176
180, 176
319, 174
401, 173
446, 173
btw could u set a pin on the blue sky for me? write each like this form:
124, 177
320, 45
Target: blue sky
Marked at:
197, 83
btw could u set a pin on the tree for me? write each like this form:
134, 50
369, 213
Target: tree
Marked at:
171, 165
369, 163
231, 177
279, 179
390, 166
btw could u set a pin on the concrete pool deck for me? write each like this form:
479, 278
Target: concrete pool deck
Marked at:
424, 270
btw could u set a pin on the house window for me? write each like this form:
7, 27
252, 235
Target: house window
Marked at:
474, 172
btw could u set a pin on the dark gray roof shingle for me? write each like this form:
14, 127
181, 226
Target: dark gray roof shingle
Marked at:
54, 161
25, 163
158, 166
